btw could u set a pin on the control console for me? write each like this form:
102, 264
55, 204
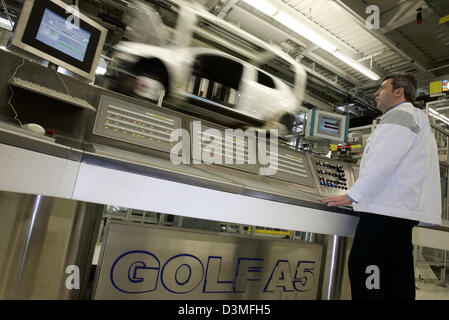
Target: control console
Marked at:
332, 177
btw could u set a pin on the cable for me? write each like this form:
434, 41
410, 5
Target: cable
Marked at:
12, 95
67, 89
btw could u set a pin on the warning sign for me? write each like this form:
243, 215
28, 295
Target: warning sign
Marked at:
436, 87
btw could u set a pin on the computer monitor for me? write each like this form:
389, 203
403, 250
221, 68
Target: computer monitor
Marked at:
44, 29
322, 125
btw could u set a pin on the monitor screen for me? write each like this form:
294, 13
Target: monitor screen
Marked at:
45, 29
328, 125
72, 41
445, 85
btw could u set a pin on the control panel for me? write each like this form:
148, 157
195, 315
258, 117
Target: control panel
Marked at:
213, 144
292, 166
355, 172
124, 121
331, 177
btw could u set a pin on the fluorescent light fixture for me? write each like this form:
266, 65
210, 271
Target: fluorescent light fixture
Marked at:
5, 24
262, 6
100, 71
102, 67
438, 116
354, 64
302, 30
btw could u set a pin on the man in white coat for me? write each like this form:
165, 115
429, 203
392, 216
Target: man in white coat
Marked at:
398, 187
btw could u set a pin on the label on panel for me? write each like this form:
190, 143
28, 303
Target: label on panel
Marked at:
147, 262
124, 121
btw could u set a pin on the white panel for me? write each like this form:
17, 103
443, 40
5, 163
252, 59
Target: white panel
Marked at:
67, 182
112, 187
31, 172
431, 238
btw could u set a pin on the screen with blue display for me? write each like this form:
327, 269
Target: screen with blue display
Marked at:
69, 39
328, 125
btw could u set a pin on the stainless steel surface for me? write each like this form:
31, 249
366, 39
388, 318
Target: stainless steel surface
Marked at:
15, 136
39, 237
333, 172
148, 262
57, 95
293, 167
334, 283
210, 144
151, 166
355, 172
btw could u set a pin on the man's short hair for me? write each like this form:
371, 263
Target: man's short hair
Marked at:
406, 81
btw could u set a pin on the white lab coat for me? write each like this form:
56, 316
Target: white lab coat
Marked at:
399, 172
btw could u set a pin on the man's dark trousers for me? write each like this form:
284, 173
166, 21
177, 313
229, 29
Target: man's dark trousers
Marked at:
386, 243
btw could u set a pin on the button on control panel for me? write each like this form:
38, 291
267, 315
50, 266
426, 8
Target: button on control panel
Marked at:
332, 177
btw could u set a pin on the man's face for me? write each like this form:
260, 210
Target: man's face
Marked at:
385, 96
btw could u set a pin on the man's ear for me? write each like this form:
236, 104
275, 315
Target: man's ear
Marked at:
399, 92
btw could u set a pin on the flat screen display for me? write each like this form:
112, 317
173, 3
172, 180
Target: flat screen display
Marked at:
445, 85
46, 29
328, 125
71, 40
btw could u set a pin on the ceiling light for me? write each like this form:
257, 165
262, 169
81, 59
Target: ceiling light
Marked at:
262, 6
5, 24
367, 72
438, 116
100, 71
302, 30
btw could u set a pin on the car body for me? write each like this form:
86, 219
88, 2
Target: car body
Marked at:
209, 78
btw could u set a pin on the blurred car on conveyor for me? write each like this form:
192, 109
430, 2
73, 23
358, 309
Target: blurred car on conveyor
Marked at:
148, 66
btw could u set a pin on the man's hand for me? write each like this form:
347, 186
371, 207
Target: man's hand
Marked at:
337, 201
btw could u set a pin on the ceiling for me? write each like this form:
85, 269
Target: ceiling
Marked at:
399, 45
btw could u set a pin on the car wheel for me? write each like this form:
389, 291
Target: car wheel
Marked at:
148, 87
151, 78
287, 120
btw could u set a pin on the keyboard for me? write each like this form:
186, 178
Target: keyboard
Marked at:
34, 87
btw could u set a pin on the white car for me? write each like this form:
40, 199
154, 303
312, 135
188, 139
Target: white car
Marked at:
211, 78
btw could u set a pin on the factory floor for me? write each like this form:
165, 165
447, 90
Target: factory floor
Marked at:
431, 291
428, 286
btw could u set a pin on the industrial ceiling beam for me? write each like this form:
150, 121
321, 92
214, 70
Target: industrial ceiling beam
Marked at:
226, 8
282, 36
356, 10
402, 15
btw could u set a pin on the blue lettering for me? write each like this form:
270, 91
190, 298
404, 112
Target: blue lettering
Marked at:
247, 270
182, 273
304, 276
212, 284
280, 277
143, 272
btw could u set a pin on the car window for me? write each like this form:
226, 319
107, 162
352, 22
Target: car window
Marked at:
265, 80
